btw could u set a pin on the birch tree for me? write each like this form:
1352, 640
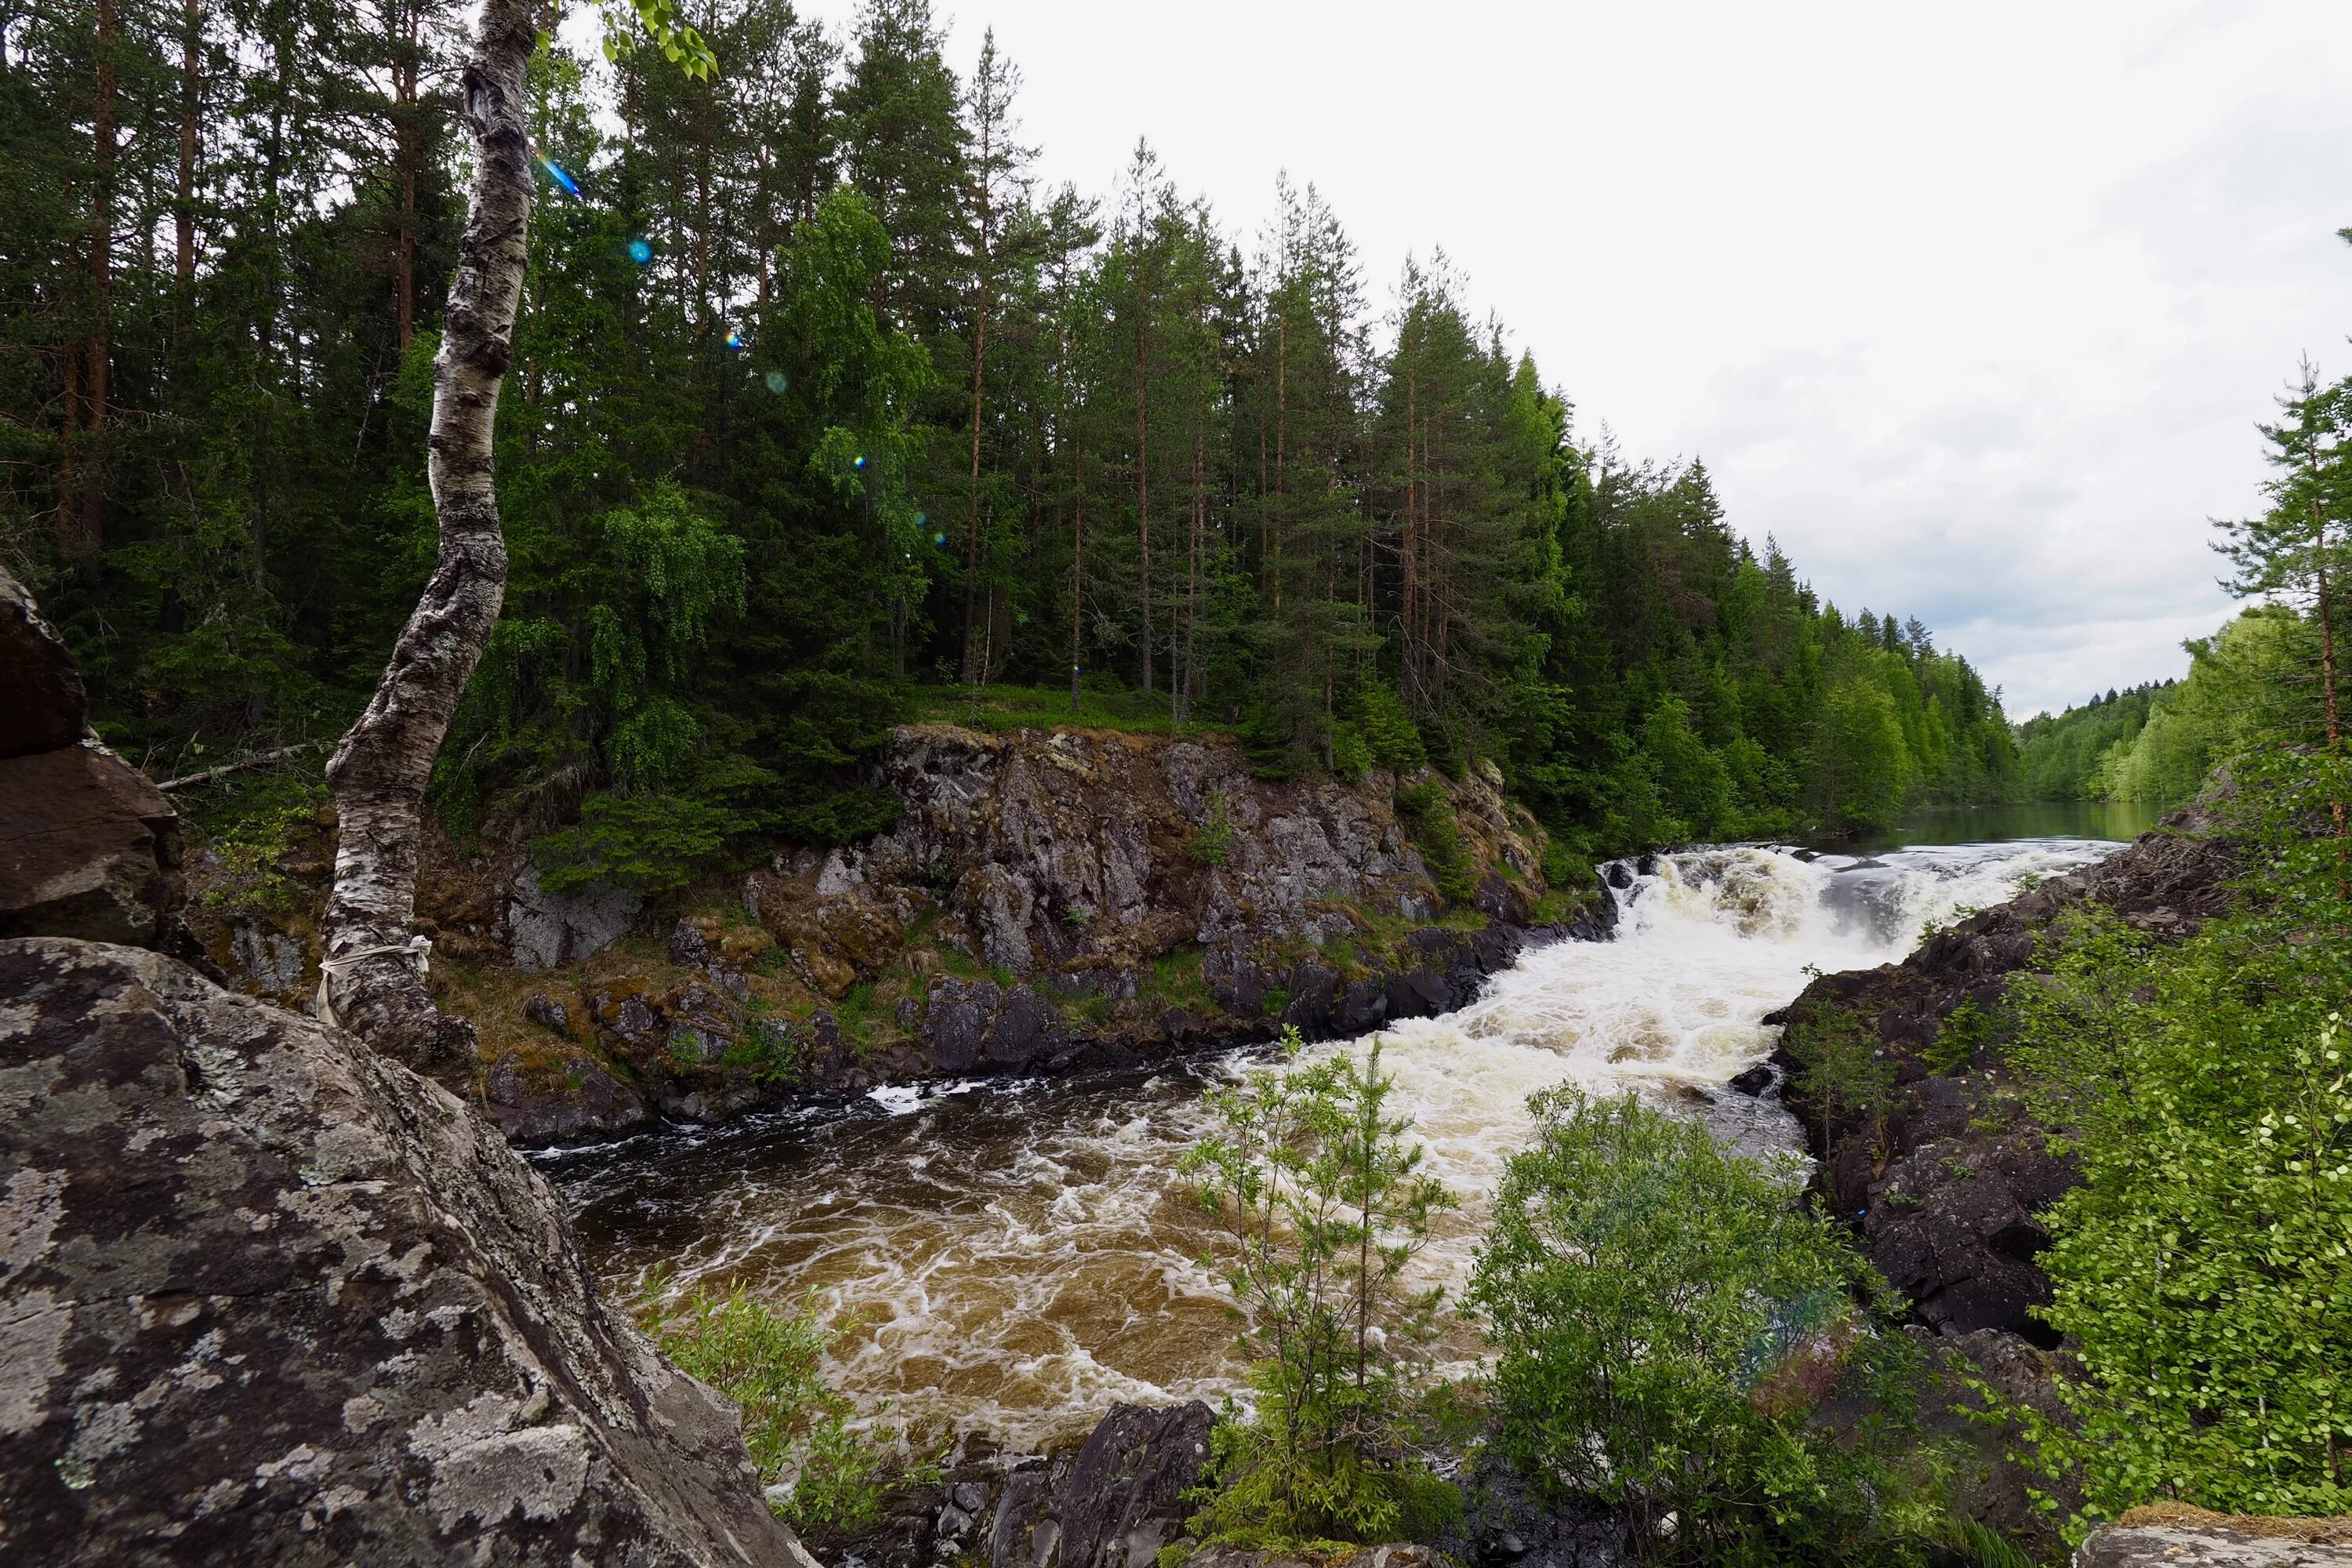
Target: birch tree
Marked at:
372, 974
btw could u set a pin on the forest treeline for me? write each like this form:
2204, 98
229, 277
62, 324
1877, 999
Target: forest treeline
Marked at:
825, 410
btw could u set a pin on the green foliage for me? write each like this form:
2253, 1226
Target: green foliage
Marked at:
2059, 755
2249, 685
1318, 1197
772, 1364
1865, 765
1388, 731
647, 843
1210, 843
1665, 1318
2203, 1272
798, 438
771, 1050
1352, 754
1962, 1039
1843, 1079
252, 836
1428, 811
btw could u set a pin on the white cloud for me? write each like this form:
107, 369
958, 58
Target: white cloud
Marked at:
1973, 306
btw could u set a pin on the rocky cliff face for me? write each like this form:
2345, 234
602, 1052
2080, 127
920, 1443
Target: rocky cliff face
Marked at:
267, 1298
1050, 900
1946, 1194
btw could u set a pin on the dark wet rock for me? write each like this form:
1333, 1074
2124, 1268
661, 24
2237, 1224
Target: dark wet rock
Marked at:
1312, 989
269, 1297
688, 949
1947, 1194
43, 707
577, 1100
1754, 1081
1506, 1523
1115, 1502
548, 1013
1024, 1029
959, 1016
89, 849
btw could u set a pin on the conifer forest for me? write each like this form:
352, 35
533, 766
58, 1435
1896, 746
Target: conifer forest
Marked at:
825, 413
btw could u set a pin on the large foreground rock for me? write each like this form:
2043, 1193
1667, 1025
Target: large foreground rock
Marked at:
265, 1298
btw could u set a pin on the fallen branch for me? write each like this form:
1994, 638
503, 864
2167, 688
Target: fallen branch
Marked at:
264, 759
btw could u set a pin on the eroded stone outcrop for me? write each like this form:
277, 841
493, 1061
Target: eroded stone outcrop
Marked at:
266, 1296
1050, 901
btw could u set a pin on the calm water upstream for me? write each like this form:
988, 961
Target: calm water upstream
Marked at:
1018, 1252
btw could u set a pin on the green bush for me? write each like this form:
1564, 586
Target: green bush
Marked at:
1666, 1320
1211, 841
1967, 1032
1320, 1203
1842, 1076
2202, 1272
768, 1362
647, 843
1352, 754
1428, 811
1389, 738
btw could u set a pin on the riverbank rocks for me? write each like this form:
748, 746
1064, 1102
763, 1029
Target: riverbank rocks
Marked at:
89, 847
267, 1297
2174, 1536
1947, 1192
1114, 1503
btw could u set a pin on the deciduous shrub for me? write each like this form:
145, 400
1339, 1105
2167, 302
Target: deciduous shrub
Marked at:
1667, 1319
770, 1363
2203, 1270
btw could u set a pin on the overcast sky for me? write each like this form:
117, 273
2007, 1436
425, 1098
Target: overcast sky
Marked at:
1974, 306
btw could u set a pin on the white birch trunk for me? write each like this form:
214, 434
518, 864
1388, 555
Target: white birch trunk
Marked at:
379, 774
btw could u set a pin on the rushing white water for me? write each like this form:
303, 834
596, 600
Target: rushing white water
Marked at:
1017, 1254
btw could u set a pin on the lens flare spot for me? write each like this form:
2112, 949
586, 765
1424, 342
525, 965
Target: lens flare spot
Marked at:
735, 340
859, 463
555, 172
776, 383
640, 252
938, 539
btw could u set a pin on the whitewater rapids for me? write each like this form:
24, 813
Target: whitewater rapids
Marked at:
1013, 1256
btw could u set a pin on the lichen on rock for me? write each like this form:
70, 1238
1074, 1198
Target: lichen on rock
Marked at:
267, 1297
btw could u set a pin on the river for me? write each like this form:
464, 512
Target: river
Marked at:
1014, 1255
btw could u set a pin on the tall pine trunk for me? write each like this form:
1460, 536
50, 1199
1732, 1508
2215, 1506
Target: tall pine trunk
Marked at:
1142, 478
374, 984
404, 151
183, 203
89, 522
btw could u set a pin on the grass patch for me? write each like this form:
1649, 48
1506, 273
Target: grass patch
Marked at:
999, 709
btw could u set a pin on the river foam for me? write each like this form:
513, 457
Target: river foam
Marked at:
1012, 1256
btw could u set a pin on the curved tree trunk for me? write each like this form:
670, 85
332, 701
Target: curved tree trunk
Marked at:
374, 982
